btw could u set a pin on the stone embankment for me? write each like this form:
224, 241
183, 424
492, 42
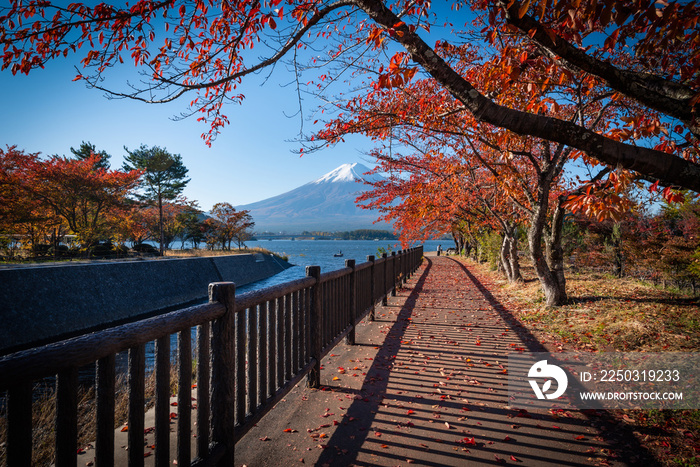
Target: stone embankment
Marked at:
44, 303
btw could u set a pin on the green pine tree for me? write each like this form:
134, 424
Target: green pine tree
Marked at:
164, 177
87, 149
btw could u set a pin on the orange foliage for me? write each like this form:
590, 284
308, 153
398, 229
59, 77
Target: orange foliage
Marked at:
86, 199
644, 51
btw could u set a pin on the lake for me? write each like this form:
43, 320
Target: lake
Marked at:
304, 253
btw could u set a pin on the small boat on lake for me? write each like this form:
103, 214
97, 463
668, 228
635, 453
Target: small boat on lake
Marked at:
338, 255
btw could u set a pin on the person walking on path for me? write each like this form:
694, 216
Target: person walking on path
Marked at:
427, 384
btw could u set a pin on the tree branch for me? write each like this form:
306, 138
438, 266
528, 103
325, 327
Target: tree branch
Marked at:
669, 97
666, 167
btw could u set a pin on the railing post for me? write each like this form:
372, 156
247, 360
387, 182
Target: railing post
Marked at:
414, 260
184, 396
223, 379
370, 258
19, 423
397, 270
384, 290
408, 255
352, 290
393, 273
405, 264
67, 417
106, 380
314, 380
137, 400
203, 381
162, 408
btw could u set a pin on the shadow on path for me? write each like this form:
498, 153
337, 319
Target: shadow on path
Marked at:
351, 437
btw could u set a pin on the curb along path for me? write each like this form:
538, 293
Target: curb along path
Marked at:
425, 385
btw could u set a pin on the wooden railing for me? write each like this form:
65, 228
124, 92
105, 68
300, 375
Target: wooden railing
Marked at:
259, 345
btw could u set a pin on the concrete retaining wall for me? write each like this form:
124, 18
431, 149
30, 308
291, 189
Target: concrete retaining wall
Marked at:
40, 304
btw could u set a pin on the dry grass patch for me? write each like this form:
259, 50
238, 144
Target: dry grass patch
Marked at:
203, 253
605, 313
206, 253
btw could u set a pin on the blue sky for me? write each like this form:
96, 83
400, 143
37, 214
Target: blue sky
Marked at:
251, 160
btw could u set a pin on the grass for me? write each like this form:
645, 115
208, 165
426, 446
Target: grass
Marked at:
606, 313
204, 253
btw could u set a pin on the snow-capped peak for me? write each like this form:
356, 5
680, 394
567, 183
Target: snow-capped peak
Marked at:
344, 173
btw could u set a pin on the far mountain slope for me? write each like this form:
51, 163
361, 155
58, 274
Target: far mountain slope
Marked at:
327, 203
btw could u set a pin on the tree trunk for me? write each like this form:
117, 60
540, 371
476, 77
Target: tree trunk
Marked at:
460, 241
456, 239
505, 259
554, 291
509, 257
555, 251
160, 224
514, 262
618, 254
618, 259
54, 242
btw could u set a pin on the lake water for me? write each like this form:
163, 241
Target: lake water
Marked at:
304, 253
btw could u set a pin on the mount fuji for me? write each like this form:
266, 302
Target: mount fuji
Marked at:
327, 203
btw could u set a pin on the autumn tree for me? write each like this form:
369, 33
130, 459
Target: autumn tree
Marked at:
501, 169
14, 205
672, 238
232, 224
22, 216
654, 243
85, 198
211, 233
190, 220
162, 222
132, 225
85, 150
644, 51
164, 178
174, 215
432, 193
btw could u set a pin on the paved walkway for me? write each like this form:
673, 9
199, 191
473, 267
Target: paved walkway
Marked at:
425, 385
